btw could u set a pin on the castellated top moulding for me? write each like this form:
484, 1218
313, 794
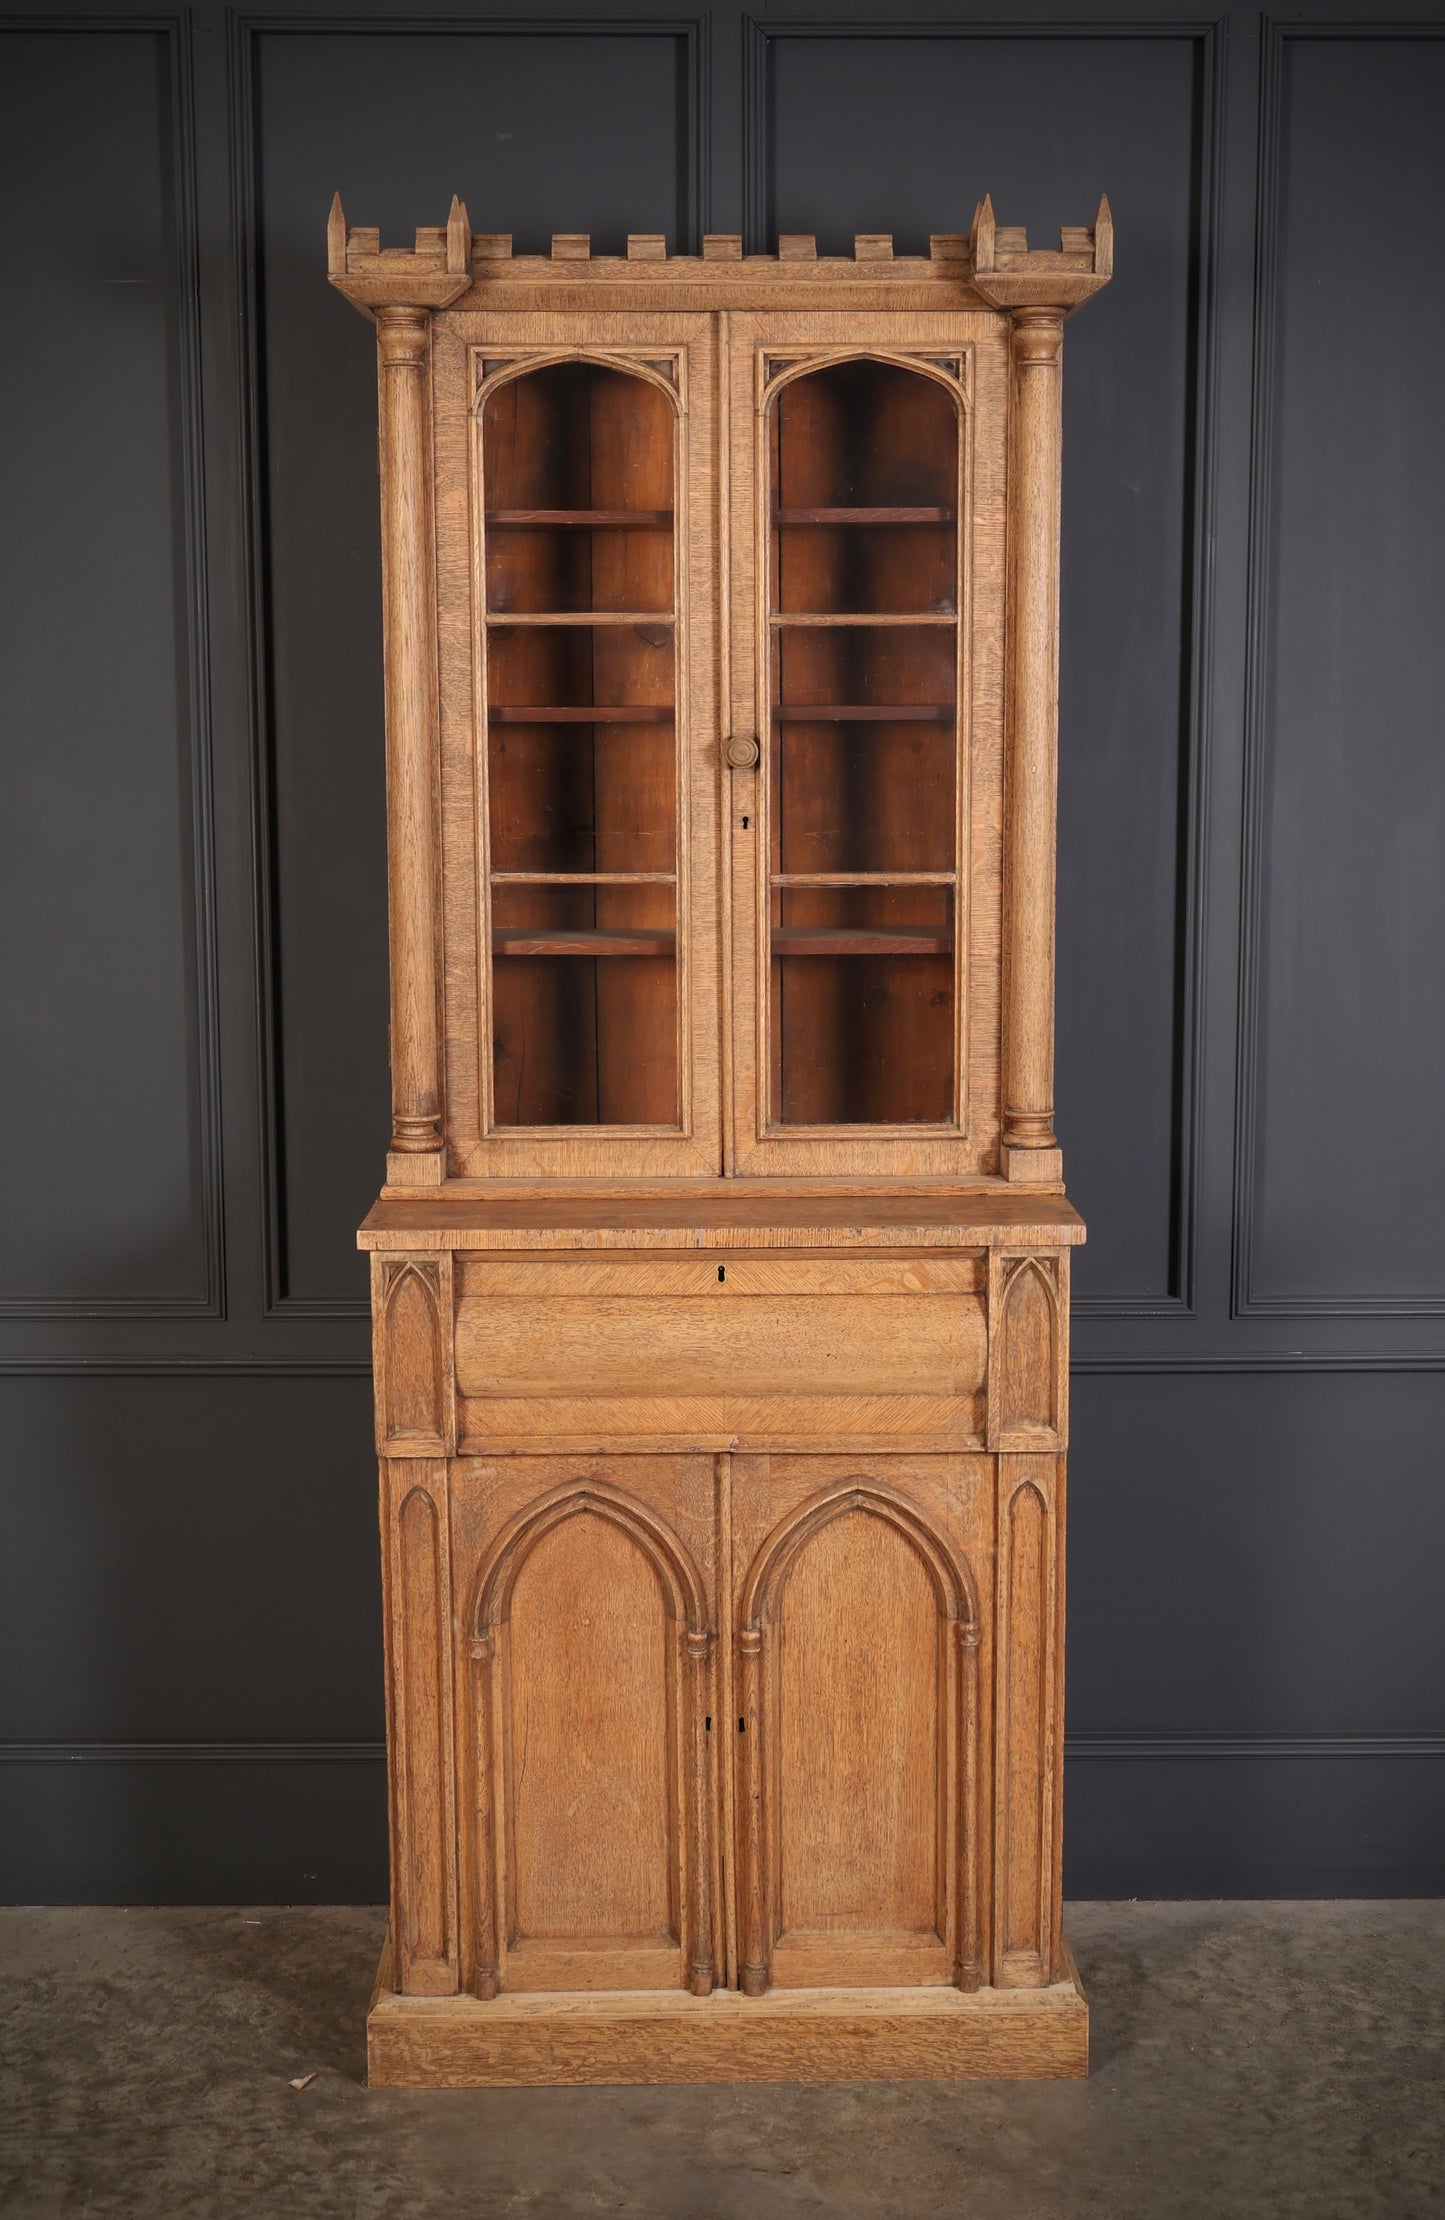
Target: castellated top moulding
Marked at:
993, 262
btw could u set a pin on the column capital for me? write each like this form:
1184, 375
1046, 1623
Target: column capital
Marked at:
1037, 337
403, 334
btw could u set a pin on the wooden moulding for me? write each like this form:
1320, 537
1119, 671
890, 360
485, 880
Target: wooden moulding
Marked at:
616, 2038
731, 1214
993, 264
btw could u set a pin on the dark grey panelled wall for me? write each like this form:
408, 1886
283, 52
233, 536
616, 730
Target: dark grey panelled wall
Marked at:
1252, 1027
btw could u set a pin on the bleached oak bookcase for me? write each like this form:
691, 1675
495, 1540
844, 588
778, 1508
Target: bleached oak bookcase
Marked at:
720, 1276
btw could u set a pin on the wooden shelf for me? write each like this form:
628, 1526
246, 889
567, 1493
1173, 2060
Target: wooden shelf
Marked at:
858, 713
586, 878
537, 940
860, 617
664, 618
848, 940
863, 516
615, 713
584, 518
862, 878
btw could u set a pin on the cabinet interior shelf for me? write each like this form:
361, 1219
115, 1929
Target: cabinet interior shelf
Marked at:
644, 620
848, 940
615, 713
861, 878
859, 713
869, 617
541, 940
863, 516
648, 519
585, 878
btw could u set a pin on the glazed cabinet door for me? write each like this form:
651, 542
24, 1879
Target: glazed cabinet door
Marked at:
865, 466
585, 1725
577, 552
862, 1741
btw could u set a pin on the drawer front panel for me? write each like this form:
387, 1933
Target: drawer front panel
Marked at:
682, 1345
721, 1275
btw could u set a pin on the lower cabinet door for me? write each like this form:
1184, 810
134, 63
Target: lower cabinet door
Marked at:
859, 1788
588, 1662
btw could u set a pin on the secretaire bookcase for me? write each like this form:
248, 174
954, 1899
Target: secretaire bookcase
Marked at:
720, 1275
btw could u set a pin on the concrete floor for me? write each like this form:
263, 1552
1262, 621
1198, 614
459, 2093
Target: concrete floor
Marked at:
1249, 2059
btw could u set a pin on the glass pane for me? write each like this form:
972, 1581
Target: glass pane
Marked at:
581, 748
584, 991
862, 758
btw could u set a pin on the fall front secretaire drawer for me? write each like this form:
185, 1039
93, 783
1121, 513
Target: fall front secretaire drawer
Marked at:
724, 1328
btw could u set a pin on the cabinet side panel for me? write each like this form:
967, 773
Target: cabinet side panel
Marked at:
1025, 1704
423, 1818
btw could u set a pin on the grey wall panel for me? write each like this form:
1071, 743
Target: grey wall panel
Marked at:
906, 134
1345, 1025
567, 133
285, 1826
190, 1669
1256, 1825
1256, 1555
188, 1560
105, 1081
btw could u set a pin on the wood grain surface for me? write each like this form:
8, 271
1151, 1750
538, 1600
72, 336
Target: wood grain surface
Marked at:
720, 1279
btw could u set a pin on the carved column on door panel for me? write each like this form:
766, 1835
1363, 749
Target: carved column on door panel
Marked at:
755, 1951
1030, 1150
968, 1968
486, 1949
416, 1567
412, 1355
700, 1952
1028, 1717
403, 337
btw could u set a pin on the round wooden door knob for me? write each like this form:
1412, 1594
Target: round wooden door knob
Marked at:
740, 752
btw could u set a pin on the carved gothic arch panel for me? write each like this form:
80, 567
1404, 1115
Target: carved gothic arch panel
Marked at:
664, 1670
870, 1598
411, 1359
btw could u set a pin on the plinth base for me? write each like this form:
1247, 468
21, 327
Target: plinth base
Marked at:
457, 2042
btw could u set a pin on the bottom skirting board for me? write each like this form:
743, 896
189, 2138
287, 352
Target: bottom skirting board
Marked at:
668, 2036
305, 1823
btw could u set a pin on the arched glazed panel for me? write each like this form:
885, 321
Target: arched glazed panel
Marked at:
579, 572
865, 585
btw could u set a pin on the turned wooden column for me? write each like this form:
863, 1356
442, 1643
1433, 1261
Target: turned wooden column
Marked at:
1030, 1146
409, 614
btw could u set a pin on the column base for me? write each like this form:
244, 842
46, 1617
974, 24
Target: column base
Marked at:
1032, 1167
423, 1168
